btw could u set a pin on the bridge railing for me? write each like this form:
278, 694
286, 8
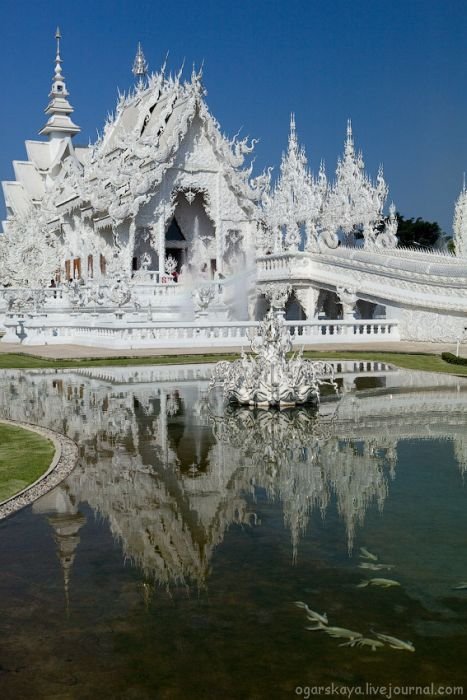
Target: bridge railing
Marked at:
352, 331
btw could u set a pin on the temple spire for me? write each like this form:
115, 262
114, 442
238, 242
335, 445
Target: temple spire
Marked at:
292, 123
349, 144
58, 60
140, 65
59, 123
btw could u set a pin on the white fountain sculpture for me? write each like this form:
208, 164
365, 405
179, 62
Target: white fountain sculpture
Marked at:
268, 377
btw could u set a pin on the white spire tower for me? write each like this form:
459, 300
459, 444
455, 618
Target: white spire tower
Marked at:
460, 223
59, 123
140, 65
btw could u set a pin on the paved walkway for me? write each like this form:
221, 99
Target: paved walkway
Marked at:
80, 351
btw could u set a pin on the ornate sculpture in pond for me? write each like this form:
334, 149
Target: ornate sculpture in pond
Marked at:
268, 377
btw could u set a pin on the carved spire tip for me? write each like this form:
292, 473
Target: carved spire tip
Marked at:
59, 109
140, 65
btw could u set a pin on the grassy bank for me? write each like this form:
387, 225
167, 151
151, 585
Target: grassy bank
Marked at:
24, 456
417, 361
23, 361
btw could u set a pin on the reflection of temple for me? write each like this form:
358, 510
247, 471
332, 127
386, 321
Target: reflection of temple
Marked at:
66, 521
170, 473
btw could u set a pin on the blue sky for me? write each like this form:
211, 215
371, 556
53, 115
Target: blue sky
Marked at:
398, 68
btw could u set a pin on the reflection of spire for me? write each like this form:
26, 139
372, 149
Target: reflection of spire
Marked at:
59, 123
66, 527
298, 459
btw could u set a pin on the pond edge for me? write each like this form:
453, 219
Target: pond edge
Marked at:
62, 464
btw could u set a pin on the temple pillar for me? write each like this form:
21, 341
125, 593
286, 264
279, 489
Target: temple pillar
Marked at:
219, 229
308, 300
348, 299
161, 248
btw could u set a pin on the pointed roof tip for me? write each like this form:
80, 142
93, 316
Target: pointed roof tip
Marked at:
58, 60
196, 76
349, 129
59, 109
140, 65
292, 121
164, 65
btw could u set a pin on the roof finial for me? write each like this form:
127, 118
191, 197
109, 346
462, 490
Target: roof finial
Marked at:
349, 145
58, 59
292, 123
59, 123
140, 65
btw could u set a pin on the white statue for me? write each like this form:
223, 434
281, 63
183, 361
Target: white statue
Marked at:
268, 377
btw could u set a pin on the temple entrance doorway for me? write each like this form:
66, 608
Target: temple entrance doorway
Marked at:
176, 244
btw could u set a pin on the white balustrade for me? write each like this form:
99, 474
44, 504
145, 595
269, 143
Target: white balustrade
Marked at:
41, 330
353, 331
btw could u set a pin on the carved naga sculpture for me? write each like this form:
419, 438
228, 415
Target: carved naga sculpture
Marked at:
267, 377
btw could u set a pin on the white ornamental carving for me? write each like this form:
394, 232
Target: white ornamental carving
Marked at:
460, 224
268, 377
170, 265
202, 297
354, 205
277, 294
120, 292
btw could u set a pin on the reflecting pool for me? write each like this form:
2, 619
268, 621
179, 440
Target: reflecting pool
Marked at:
168, 564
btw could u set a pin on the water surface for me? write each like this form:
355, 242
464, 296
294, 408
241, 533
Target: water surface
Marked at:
167, 564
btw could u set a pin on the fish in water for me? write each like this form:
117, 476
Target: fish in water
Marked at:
365, 554
311, 614
314, 616
382, 582
374, 567
395, 643
363, 642
317, 627
342, 632
461, 587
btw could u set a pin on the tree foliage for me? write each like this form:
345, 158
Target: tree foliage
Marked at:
417, 232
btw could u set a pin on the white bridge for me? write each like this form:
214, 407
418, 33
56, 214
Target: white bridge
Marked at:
426, 292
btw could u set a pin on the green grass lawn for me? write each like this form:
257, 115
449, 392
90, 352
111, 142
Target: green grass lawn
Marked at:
23, 361
417, 361
24, 456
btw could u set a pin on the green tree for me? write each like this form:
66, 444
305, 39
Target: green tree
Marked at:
418, 233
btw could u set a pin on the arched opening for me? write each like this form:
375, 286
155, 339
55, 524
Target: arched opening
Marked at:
329, 305
191, 236
367, 309
176, 244
294, 310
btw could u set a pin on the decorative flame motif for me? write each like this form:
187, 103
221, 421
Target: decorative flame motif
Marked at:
270, 378
170, 264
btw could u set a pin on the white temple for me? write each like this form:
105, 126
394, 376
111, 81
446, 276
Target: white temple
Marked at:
157, 235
